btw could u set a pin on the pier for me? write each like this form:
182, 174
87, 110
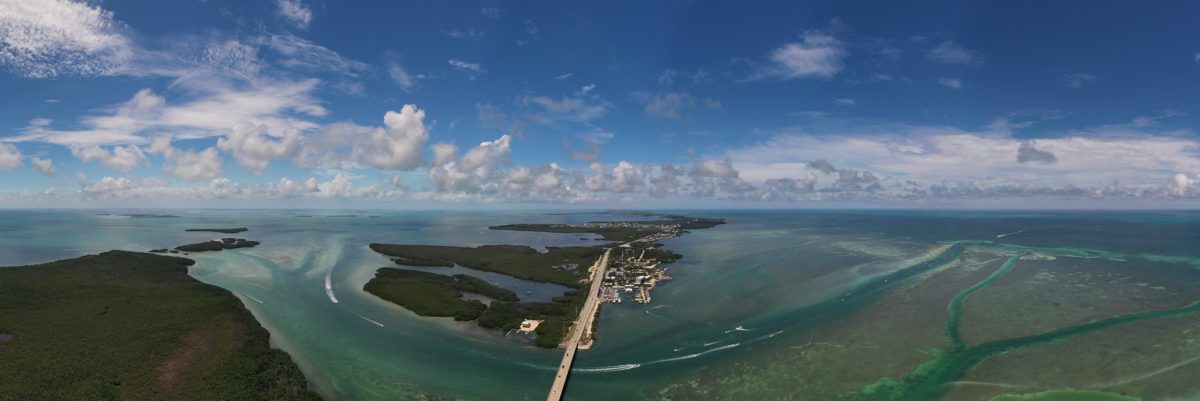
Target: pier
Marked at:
580, 327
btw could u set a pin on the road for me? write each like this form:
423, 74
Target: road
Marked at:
580, 327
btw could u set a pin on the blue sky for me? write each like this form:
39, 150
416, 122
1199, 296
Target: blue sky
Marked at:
660, 103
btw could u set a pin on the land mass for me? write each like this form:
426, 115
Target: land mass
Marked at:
634, 270
668, 226
220, 230
217, 245
127, 325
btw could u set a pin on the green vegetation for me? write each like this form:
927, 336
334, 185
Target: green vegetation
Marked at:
1065, 395
217, 245
431, 294
518, 261
621, 234
133, 326
556, 316
220, 230
622, 231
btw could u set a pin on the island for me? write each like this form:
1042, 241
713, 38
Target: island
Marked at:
220, 230
128, 325
632, 268
217, 245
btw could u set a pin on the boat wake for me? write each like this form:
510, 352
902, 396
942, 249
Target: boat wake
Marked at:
739, 328
614, 368
329, 286
369, 319
1014, 232
617, 368
255, 299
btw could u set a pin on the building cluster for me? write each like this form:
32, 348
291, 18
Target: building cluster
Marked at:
630, 274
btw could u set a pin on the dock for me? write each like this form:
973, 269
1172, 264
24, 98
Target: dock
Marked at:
579, 328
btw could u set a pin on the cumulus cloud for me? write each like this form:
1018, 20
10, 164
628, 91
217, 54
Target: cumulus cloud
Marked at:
187, 164
50, 38
120, 158
470, 173
624, 178
952, 53
1029, 154
904, 162
45, 166
10, 157
816, 55
254, 149
398, 145
710, 174
294, 12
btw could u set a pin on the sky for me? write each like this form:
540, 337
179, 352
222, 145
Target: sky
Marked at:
666, 103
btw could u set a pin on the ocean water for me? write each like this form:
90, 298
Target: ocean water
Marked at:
739, 287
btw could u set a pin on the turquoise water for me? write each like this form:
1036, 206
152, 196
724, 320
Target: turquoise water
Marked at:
739, 285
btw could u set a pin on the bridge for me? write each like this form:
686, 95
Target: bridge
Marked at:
581, 326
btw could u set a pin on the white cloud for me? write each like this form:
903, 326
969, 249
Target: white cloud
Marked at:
471, 173
395, 146
952, 53
119, 158
216, 104
674, 105
490, 12
307, 56
402, 77
1183, 186
50, 38
295, 12
467, 66
45, 166
952, 83
254, 149
952, 161
580, 106
1079, 80
465, 34
1153, 119
187, 164
563, 76
845, 102
10, 157
817, 55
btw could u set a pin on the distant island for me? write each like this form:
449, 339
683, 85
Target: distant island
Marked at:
220, 230
634, 270
217, 245
127, 325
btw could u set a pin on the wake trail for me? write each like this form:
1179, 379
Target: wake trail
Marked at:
329, 286
628, 366
255, 299
1150, 374
369, 320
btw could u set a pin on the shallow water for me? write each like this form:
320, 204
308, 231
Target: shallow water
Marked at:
738, 285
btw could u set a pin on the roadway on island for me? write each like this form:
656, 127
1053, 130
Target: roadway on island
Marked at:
580, 327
